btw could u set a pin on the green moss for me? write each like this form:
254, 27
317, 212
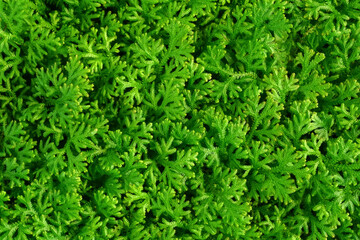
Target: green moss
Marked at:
162, 119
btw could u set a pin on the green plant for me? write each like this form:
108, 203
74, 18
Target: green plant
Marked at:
164, 119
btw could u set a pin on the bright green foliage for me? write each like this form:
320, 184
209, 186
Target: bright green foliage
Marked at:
167, 119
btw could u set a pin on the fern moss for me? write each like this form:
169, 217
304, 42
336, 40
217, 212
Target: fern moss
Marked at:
164, 119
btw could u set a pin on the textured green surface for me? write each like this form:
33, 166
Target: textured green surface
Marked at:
194, 119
